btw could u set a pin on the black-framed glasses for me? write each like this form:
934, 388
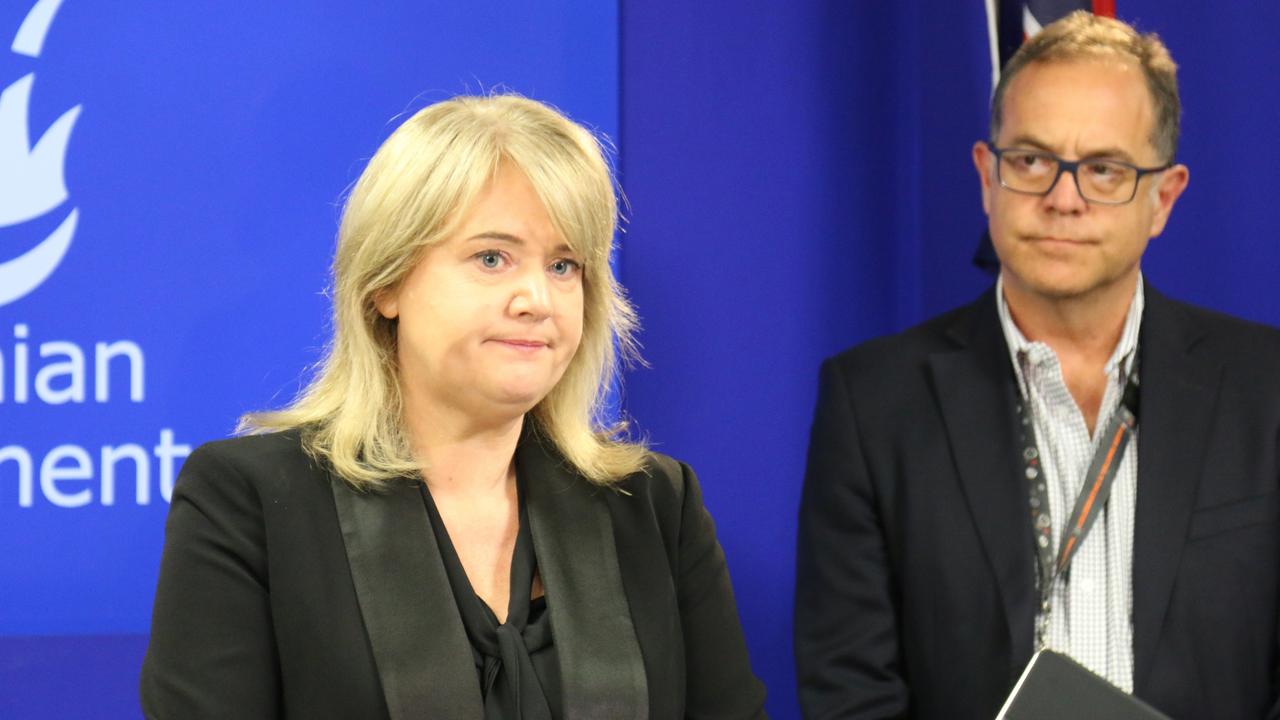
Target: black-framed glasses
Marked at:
1098, 180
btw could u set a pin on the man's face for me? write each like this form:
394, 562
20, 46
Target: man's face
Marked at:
1060, 246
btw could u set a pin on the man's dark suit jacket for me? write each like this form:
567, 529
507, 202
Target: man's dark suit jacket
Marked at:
915, 591
285, 594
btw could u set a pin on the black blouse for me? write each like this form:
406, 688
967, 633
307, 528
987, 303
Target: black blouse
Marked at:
519, 670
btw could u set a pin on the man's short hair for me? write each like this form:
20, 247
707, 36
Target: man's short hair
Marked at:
1084, 35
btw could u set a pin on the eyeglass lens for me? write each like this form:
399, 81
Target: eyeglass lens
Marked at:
1098, 180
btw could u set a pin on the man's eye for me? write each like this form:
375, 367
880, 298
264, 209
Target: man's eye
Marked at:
1028, 162
1102, 170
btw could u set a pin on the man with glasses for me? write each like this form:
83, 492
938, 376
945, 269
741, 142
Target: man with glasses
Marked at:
1074, 461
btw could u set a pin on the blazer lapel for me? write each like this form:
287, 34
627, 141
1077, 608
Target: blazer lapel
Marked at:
602, 673
1176, 411
975, 391
424, 659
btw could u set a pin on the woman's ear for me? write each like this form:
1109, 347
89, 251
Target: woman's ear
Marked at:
387, 300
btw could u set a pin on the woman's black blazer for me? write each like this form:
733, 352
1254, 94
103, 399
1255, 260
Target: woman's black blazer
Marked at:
283, 593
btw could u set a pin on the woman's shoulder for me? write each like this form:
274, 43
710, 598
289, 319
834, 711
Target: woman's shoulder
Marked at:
666, 473
282, 446
663, 481
260, 464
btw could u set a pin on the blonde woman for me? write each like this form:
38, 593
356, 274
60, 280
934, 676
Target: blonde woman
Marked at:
439, 526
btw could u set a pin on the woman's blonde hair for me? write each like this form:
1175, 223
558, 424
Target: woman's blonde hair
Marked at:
411, 195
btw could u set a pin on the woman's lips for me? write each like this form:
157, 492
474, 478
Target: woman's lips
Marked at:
526, 346
1059, 240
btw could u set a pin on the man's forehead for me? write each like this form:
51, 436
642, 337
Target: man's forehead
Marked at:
1081, 105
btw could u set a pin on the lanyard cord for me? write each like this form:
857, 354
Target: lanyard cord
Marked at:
1093, 495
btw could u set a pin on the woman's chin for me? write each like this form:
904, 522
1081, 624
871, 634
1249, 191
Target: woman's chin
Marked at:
518, 399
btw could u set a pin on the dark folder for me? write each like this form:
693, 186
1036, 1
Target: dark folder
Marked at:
1055, 687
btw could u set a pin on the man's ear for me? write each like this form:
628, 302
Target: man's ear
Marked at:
983, 162
1167, 191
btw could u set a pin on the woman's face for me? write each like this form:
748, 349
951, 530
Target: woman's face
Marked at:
490, 317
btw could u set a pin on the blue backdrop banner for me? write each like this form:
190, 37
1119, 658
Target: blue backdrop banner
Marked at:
170, 183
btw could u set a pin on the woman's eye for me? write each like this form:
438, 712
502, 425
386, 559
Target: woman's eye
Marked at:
564, 267
490, 259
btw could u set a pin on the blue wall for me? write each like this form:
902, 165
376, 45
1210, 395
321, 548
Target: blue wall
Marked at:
800, 181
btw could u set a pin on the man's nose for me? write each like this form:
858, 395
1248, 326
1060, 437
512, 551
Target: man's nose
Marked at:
1064, 195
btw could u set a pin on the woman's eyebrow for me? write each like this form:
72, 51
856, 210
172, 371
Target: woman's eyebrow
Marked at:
494, 235
499, 236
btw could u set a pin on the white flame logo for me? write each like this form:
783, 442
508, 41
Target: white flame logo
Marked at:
31, 176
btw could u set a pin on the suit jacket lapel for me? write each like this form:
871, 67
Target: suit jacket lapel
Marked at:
602, 670
424, 659
975, 390
1176, 411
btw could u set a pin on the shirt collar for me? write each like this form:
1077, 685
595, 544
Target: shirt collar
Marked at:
1023, 350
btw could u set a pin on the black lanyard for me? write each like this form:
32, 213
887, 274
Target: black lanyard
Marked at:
1089, 504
